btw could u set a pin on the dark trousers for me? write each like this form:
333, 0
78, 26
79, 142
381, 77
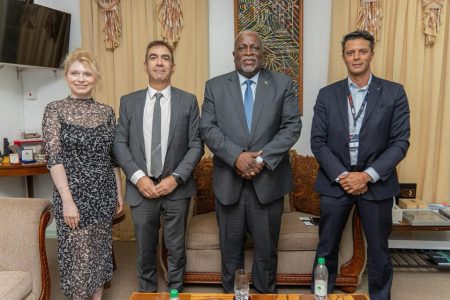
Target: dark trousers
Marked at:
146, 219
263, 223
376, 218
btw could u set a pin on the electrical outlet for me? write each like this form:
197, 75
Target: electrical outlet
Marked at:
31, 95
407, 190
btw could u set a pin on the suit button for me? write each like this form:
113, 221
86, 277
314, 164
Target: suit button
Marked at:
346, 145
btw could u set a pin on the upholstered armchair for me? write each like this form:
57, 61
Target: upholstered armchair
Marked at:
24, 272
297, 244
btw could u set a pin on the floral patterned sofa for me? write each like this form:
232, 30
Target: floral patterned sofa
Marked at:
297, 244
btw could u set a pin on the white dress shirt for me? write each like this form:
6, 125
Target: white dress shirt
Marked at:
147, 126
358, 95
242, 80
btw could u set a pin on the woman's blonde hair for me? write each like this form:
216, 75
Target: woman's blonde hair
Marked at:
85, 58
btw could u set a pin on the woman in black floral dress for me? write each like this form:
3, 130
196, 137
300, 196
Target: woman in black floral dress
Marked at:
78, 134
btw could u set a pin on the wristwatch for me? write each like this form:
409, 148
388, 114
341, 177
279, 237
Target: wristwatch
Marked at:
259, 160
178, 178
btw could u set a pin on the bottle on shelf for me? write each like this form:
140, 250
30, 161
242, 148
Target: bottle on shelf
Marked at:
6, 149
320, 280
174, 295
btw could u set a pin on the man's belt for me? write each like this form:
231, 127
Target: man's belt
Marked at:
356, 168
155, 180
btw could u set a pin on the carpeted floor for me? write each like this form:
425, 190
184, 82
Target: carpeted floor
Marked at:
411, 284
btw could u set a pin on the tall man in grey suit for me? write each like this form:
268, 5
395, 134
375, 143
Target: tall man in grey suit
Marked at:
158, 145
360, 132
250, 120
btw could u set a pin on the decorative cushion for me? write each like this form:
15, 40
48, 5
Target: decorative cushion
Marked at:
15, 285
304, 174
204, 200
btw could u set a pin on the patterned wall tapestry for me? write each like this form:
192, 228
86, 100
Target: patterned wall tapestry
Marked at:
280, 25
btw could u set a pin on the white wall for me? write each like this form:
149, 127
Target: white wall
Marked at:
11, 107
316, 35
221, 37
11, 120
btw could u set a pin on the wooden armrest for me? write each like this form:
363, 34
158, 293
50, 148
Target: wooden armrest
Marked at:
355, 266
46, 219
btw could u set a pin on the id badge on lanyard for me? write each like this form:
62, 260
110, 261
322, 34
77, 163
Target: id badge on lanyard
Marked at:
354, 136
353, 140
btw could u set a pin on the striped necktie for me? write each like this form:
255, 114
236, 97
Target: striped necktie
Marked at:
248, 103
156, 157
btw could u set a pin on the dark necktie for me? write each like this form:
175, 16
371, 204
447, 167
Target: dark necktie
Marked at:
156, 157
248, 103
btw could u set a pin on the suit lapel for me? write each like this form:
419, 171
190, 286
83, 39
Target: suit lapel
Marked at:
236, 97
342, 92
140, 113
374, 93
175, 103
261, 96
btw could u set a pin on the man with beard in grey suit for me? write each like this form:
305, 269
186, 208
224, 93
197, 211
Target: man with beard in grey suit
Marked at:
158, 145
250, 120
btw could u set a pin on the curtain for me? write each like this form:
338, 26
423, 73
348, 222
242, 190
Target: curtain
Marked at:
122, 70
401, 56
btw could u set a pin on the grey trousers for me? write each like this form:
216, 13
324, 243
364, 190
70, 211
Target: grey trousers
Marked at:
147, 218
263, 223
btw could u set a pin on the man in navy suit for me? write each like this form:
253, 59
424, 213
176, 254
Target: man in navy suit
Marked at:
360, 132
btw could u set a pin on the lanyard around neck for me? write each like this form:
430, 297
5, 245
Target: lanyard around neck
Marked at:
352, 107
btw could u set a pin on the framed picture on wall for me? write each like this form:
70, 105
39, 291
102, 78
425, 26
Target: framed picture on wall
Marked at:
280, 25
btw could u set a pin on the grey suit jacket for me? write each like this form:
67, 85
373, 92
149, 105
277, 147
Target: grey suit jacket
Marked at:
383, 139
184, 149
276, 127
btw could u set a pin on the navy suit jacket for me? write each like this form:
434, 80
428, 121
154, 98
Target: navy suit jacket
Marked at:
383, 139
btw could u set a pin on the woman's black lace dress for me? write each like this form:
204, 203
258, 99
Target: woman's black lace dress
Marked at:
79, 134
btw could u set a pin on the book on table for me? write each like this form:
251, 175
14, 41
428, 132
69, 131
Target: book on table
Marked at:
439, 257
445, 212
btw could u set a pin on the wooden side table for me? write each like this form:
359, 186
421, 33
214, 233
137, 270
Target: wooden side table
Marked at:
28, 170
